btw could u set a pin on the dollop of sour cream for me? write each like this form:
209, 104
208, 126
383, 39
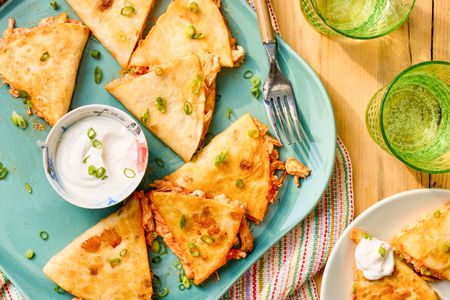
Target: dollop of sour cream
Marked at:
97, 142
372, 260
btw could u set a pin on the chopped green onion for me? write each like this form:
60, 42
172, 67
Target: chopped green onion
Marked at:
86, 159
366, 236
177, 265
97, 144
156, 259
156, 280
189, 31
164, 250
164, 293
182, 221
187, 107
59, 290
193, 6
156, 246
193, 250
255, 81
23, 94
228, 113
382, 251
98, 75
92, 170
28, 188
198, 36
255, 92
248, 74
130, 173
437, 214
159, 162
354, 288
3, 173
159, 71
100, 172
208, 239
43, 235
161, 104
181, 287
446, 247
123, 252
186, 282
253, 133
29, 254
144, 118
95, 54
114, 262
54, 5
154, 235
196, 85
91, 133
239, 183
127, 11
44, 56
425, 271
221, 158
18, 120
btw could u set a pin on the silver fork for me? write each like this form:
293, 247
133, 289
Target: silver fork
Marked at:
277, 89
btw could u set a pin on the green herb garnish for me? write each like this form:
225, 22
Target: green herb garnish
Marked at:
437, 214
161, 104
43, 235
255, 92
186, 282
193, 250
187, 108
189, 31
123, 252
28, 188
255, 81
92, 170
3, 172
159, 71
221, 158
248, 74
240, 183
196, 84
193, 6
144, 118
91, 133
253, 133
54, 5
177, 265
127, 11
44, 56
130, 173
59, 290
100, 172
159, 162
18, 120
86, 159
97, 144
156, 246
23, 94
382, 251
228, 113
114, 261
207, 239
182, 221
29, 254
98, 75
95, 54
164, 293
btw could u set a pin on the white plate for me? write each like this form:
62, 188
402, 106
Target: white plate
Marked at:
382, 220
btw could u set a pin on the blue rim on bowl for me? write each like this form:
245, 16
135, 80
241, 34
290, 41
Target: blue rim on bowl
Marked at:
54, 137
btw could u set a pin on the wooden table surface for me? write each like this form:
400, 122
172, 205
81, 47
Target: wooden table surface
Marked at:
352, 71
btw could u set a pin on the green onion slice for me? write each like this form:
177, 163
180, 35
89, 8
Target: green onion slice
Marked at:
92, 170
43, 235
181, 287
193, 250
98, 75
123, 252
437, 214
208, 239
163, 250
44, 56
127, 11
198, 36
18, 120
255, 92
239, 183
100, 172
182, 221
186, 282
130, 173
95, 54
161, 104
58, 289
228, 113
248, 74
156, 246
193, 6
156, 259
54, 5
163, 293
196, 84
382, 251
159, 71
29, 254
144, 118
221, 158
23, 94
177, 265
114, 261
255, 81
28, 188
91, 133
86, 159
189, 31
97, 144
159, 162
3, 173
253, 133
187, 108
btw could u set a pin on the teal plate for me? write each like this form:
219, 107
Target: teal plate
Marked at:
22, 215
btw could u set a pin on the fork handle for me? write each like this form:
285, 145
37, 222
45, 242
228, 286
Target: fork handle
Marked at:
265, 25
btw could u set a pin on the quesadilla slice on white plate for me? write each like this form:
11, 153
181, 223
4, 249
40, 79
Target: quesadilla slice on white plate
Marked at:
240, 162
40, 64
117, 24
174, 101
189, 27
108, 261
203, 232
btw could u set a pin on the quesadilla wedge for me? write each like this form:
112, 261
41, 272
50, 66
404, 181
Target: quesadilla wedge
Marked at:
187, 28
201, 231
117, 24
426, 244
40, 64
240, 163
108, 261
173, 101
403, 283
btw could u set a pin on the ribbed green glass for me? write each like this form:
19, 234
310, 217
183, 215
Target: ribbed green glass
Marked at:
410, 117
357, 19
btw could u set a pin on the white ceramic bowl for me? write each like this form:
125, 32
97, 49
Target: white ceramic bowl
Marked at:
382, 220
54, 137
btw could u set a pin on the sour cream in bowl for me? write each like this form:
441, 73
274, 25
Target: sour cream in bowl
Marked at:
95, 156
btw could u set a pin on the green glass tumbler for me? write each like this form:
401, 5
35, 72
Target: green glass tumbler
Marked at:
409, 118
357, 19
